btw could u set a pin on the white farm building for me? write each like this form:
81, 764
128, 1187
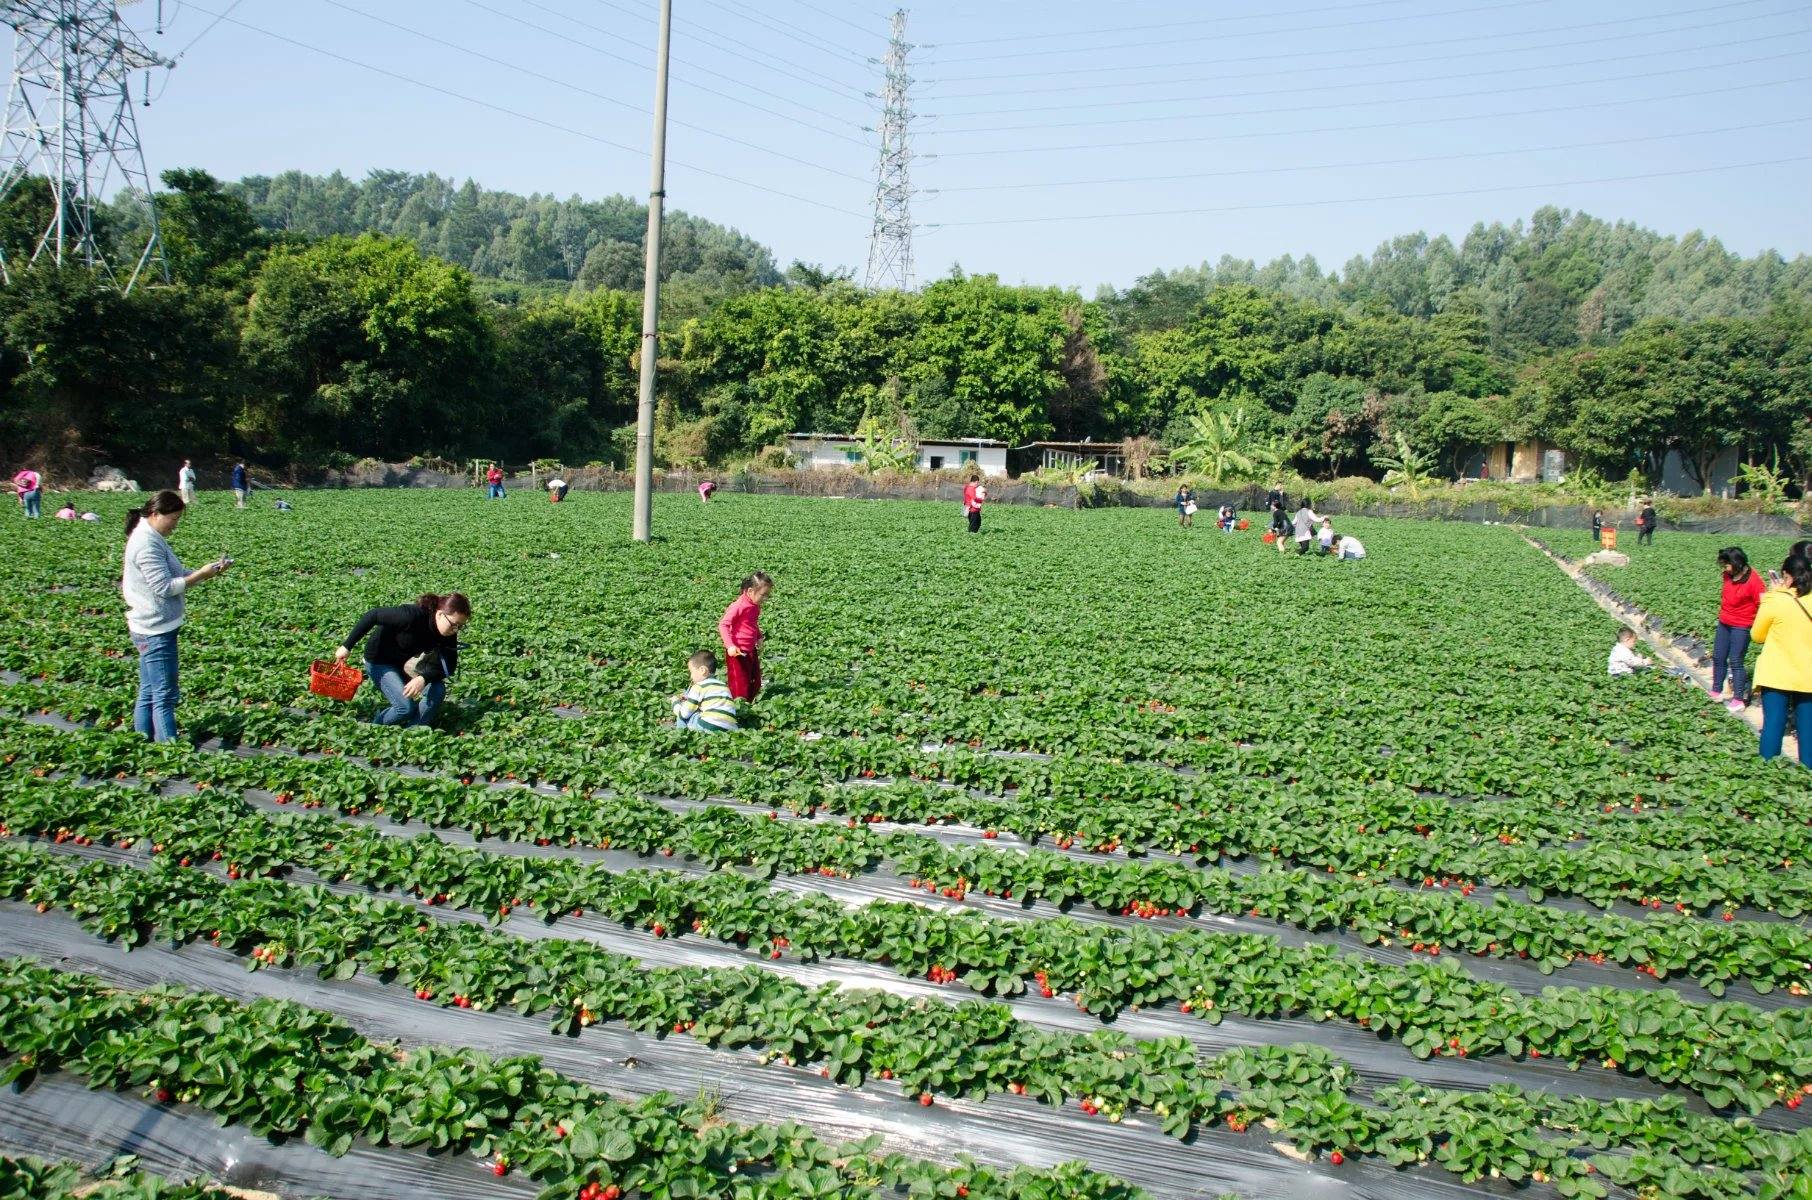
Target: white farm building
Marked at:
840, 451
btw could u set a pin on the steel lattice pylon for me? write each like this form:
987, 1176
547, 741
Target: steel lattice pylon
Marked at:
890, 245
69, 119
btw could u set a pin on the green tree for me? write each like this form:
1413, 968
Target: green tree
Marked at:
367, 346
88, 371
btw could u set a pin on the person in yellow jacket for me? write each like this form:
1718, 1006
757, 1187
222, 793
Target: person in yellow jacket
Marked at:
1783, 628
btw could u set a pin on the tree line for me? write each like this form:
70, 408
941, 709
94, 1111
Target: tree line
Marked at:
311, 320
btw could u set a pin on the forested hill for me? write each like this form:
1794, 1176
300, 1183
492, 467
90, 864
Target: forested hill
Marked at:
501, 235
1562, 279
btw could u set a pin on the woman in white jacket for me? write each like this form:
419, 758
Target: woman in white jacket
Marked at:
154, 584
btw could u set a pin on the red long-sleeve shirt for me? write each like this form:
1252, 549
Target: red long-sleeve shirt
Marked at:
740, 627
1740, 601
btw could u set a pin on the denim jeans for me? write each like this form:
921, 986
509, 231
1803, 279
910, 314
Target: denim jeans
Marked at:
1775, 704
1727, 651
33, 499
158, 694
493, 491
402, 710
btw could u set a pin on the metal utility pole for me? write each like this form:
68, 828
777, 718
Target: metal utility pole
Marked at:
70, 121
651, 291
890, 245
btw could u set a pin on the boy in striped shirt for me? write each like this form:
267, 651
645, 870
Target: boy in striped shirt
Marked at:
707, 706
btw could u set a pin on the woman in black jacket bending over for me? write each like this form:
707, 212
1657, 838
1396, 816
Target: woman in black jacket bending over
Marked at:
412, 651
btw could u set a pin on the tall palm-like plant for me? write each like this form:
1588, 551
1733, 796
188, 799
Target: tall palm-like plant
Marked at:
887, 449
1217, 446
1406, 468
1226, 449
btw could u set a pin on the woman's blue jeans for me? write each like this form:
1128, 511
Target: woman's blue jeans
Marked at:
158, 694
1775, 704
402, 710
34, 500
493, 491
1727, 652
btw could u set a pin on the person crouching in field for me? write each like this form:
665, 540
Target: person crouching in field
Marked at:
740, 629
707, 706
1624, 659
412, 651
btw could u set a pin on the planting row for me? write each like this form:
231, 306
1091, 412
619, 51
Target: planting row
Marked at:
283, 1069
1605, 760
1765, 955
34, 1179
969, 1049
1371, 836
1728, 1052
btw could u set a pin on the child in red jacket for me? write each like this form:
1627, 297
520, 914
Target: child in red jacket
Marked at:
740, 629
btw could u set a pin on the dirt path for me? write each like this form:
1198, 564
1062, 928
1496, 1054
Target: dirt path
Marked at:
1664, 647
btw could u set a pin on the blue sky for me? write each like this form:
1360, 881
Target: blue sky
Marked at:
1069, 142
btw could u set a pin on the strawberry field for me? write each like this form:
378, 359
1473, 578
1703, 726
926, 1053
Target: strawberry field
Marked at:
1089, 857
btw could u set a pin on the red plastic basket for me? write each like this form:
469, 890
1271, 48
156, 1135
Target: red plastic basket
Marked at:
333, 680
1270, 537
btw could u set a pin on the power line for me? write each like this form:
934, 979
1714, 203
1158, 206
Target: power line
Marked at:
1349, 51
695, 85
1218, 37
1071, 88
1295, 12
1533, 87
834, 86
584, 91
1327, 87
1425, 78
1375, 162
205, 32
859, 28
1408, 124
519, 115
776, 25
1513, 187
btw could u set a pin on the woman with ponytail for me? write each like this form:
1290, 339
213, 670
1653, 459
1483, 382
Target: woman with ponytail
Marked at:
412, 651
154, 584
1783, 628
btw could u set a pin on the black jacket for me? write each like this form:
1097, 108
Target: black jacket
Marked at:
399, 634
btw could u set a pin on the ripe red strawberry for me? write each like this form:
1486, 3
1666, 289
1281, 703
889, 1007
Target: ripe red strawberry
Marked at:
164, 1096
1793, 1101
610, 1193
925, 1099
1336, 1158
500, 1167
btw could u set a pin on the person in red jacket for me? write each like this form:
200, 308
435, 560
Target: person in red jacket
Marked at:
975, 493
740, 629
1743, 589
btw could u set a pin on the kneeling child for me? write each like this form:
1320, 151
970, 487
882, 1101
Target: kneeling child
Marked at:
706, 706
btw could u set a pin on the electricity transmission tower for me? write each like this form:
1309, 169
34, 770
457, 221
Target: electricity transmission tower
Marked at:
69, 119
890, 245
